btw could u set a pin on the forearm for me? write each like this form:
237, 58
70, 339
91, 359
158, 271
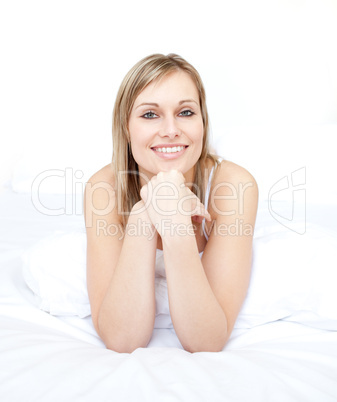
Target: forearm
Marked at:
198, 319
127, 314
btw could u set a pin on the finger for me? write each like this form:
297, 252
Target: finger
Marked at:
142, 191
197, 218
208, 216
203, 211
204, 216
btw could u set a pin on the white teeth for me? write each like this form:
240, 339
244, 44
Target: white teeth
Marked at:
169, 150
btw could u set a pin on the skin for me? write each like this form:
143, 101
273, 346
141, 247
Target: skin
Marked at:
168, 123
205, 295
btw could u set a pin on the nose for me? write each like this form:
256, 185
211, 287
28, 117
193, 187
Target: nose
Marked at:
170, 128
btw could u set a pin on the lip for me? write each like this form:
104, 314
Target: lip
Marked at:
169, 145
167, 155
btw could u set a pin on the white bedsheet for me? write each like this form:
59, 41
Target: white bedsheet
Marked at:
47, 358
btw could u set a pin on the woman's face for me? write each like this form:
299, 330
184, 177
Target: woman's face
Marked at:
166, 127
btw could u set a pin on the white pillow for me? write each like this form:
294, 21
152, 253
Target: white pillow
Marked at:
293, 278
55, 270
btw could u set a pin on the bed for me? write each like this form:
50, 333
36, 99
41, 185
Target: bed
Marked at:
283, 347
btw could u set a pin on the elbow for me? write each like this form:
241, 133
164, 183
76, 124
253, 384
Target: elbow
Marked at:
206, 347
117, 340
212, 344
123, 342
212, 340
123, 347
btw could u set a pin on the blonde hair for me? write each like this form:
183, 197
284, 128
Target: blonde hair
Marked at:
147, 70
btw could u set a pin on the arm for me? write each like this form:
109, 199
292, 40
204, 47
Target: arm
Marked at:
206, 295
197, 316
120, 274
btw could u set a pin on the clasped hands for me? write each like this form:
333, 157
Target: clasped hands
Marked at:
167, 198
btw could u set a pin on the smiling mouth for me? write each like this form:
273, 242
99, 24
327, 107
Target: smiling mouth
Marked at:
169, 150
170, 153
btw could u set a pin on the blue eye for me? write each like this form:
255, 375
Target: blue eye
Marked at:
187, 113
149, 115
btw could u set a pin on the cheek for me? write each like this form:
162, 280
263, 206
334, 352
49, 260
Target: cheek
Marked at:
136, 149
199, 133
197, 138
136, 137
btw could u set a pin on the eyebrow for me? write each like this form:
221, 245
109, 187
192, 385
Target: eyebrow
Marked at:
156, 104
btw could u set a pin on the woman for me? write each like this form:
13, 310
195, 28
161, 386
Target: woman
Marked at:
149, 199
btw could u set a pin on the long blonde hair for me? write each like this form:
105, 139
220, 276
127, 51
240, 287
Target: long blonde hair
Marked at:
147, 70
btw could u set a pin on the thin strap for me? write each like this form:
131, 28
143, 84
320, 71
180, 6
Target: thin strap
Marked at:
208, 189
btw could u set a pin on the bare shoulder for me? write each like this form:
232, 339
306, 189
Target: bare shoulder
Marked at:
102, 182
232, 186
99, 195
103, 175
230, 172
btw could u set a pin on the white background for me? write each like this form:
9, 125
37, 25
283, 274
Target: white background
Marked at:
269, 68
